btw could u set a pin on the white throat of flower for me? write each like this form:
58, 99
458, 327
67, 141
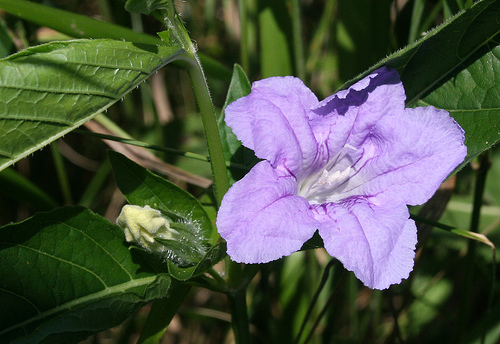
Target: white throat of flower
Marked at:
324, 185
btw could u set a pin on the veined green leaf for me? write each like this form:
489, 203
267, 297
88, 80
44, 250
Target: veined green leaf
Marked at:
67, 274
51, 89
473, 98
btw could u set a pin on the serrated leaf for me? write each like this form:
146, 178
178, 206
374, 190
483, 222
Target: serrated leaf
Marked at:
67, 274
233, 150
141, 187
51, 89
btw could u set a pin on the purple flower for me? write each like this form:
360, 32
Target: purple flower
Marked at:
347, 166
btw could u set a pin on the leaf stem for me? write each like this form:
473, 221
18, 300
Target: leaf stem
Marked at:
312, 304
239, 321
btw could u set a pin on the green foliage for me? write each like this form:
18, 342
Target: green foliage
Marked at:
453, 68
363, 34
66, 274
51, 89
471, 97
72, 24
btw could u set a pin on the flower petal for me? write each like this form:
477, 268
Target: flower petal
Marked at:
406, 156
261, 218
338, 119
397, 154
272, 121
376, 243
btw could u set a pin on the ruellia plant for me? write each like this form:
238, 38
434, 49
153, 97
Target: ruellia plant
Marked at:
303, 202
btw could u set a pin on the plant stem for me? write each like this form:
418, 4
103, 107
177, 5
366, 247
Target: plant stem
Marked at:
208, 116
312, 304
191, 63
236, 277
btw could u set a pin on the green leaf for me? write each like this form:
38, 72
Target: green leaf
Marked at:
79, 26
51, 89
145, 6
444, 51
241, 157
67, 274
142, 188
473, 98
456, 67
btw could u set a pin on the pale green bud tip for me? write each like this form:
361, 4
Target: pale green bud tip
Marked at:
143, 224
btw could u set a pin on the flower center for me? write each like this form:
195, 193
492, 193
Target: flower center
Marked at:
324, 184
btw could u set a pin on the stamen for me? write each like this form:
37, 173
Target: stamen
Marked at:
331, 178
321, 184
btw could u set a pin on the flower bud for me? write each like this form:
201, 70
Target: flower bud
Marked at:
143, 224
178, 240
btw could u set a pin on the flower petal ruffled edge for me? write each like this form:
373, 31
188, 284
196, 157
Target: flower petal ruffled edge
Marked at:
261, 219
376, 243
272, 121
